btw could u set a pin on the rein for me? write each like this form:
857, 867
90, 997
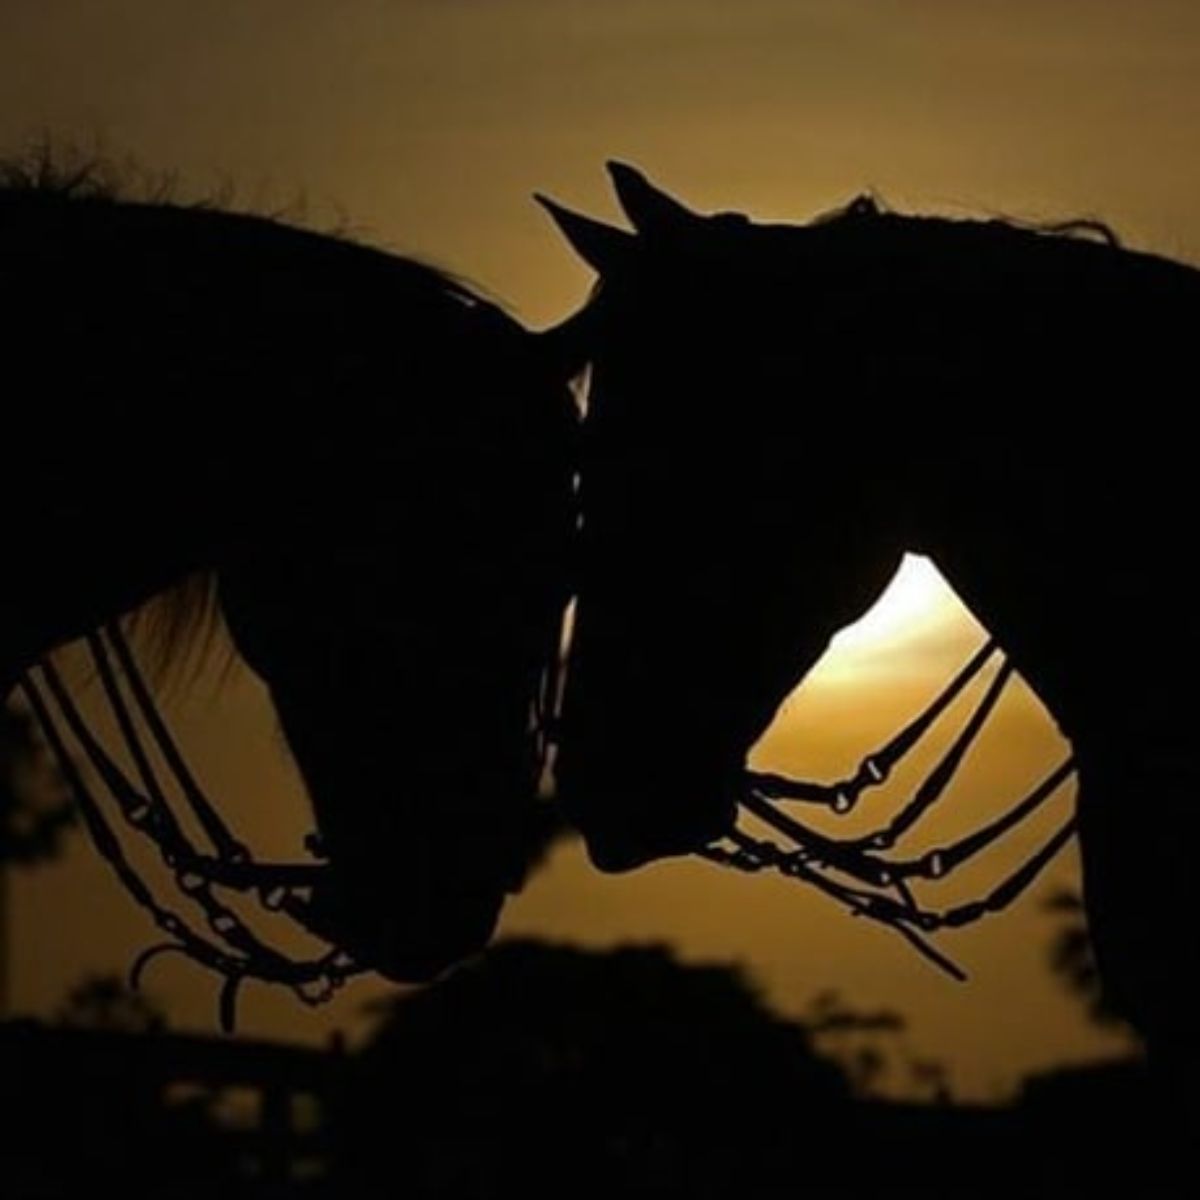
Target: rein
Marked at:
851, 870
230, 948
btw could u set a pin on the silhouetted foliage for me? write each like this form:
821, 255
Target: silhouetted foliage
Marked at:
107, 1003
1073, 960
852, 1037
34, 812
547, 1063
549, 1068
147, 1114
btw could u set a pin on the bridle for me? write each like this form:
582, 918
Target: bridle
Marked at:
230, 947
852, 871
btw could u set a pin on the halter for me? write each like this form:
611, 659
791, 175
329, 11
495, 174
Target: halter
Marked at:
232, 949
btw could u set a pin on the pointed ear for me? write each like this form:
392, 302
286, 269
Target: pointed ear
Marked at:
602, 247
650, 210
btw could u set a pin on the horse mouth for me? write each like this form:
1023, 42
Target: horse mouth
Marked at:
638, 818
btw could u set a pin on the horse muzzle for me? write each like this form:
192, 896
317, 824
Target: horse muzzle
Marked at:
406, 934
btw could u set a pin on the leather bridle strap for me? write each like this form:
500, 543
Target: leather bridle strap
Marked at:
243, 955
877, 766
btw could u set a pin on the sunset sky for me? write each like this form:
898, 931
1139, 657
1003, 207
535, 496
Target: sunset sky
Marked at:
424, 126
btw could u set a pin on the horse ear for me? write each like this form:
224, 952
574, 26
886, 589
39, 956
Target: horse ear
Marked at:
650, 210
602, 247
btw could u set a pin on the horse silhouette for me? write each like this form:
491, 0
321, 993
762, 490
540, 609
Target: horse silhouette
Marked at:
358, 463
368, 471
778, 413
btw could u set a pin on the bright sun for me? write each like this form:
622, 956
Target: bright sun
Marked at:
918, 606
916, 598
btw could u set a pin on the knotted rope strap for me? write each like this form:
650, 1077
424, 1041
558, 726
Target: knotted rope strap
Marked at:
825, 862
878, 765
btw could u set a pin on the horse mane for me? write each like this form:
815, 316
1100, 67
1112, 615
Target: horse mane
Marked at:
41, 172
187, 615
868, 205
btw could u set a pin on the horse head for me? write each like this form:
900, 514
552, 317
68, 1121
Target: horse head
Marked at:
406, 618
717, 555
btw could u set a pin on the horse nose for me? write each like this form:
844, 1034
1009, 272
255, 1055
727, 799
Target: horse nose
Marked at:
634, 817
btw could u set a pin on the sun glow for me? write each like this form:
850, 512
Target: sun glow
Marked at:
917, 598
875, 673
917, 624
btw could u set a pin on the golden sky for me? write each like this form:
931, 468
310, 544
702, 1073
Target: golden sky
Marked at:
426, 125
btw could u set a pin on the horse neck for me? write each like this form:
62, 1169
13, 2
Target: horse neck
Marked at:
100, 527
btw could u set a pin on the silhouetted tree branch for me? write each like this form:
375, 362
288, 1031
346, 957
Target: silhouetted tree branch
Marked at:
34, 811
106, 1002
851, 1038
1072, 960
